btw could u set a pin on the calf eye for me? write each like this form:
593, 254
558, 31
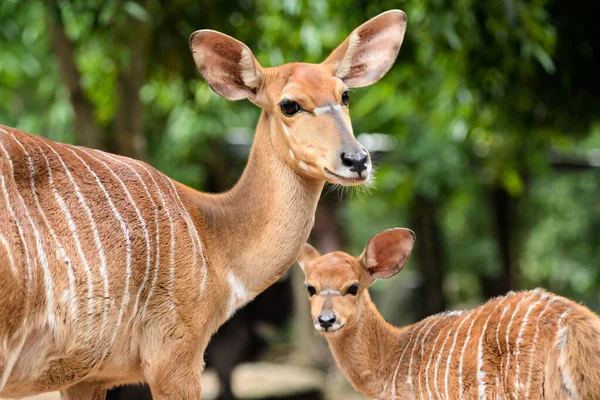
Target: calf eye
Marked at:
346, 98
352, 290
289, 107
311, 290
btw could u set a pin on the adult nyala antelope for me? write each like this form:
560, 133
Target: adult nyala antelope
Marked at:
526, 345
113, 273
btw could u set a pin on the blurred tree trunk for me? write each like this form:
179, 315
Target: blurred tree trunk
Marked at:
87, 133
129, 122
430, 252
504, 219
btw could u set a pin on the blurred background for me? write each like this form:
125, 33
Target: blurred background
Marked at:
486, 135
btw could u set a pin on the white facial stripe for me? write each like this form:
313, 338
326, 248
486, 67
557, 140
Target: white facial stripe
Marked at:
286, 130
292, 155
330, 292
303, 165
322, 110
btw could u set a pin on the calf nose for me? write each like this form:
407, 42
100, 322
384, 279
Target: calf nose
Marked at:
356, 161
326, 320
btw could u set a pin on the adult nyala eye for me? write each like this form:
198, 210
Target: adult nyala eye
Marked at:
289, 107
311, 290
346, 98
352, 290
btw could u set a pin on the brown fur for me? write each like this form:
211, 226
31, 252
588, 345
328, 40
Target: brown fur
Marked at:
533, 345
112, 273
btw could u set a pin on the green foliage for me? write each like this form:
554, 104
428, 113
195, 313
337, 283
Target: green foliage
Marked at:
467, 103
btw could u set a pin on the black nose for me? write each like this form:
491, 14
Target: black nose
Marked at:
356, 161
326, 320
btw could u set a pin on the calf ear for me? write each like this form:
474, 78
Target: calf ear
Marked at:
387, 253
370, 50
227, 64
307, 254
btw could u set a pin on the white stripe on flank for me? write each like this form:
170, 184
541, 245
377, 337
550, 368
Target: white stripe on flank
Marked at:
534, 344
520, 339
97, 241
419, 378
561, 343
437, 363
193, 232
10, 256
239, 294
70, 274
409, 379
171, 229
171, 284
431, 358
30, 271
128, 238
467, 316
72, 226
157, 237
462, 354
399, 363
480, 371
127, 235
12, 359
48, 285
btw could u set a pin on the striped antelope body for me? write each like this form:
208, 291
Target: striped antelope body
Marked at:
112, 273
525, 345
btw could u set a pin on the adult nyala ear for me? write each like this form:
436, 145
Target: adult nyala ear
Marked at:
306, 255
370, 50
227, 64
387, 253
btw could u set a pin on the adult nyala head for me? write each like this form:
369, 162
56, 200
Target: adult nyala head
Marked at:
307, 105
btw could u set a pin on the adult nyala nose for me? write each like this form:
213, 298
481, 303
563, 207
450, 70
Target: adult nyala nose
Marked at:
326, 320
356, 161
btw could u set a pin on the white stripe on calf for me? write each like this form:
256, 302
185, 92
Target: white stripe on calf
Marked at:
431, 358
561, 342
440, 318
462, 354
534, 344
480, 371
399, 363
409, 379
127, 235
508, 338
72, 227
48, 285
70, 274
520, 339
171, 284
437, 363
467, 316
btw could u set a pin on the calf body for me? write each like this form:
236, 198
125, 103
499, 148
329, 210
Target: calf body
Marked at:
528, 345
